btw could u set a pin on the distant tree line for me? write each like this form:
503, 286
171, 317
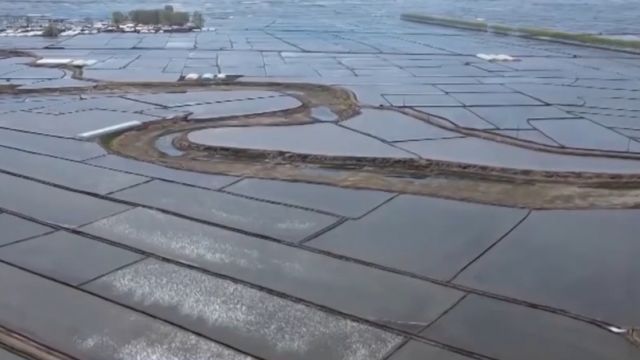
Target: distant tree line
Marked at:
166, 16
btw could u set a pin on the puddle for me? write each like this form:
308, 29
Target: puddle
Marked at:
323, 113
164, 144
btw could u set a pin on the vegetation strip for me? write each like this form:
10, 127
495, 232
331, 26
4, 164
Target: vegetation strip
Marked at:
535, 33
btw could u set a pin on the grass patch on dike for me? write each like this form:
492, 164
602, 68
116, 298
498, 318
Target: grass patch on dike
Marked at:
537, 33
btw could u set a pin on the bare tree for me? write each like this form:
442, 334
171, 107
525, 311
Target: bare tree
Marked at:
197, 19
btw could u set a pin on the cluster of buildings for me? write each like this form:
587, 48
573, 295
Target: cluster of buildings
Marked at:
35, 25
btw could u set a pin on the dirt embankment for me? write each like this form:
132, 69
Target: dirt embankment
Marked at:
501, 186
